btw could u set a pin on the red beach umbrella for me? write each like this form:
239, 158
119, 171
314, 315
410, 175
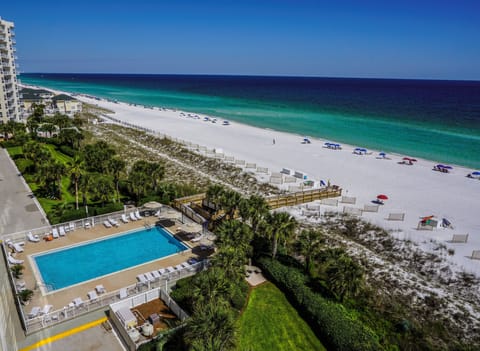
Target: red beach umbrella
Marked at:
382, 197
407, 159
413, 160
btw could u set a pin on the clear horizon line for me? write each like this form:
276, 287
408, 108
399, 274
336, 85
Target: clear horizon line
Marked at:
257, 75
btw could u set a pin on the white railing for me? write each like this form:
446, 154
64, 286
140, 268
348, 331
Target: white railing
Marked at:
167, 280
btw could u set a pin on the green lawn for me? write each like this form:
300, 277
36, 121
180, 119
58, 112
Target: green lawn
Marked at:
269, 322
15, 150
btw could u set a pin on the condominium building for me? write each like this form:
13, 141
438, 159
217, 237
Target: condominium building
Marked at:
10, 108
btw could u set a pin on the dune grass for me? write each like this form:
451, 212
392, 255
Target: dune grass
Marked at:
269, 322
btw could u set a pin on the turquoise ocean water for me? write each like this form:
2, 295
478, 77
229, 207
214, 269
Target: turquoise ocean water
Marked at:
435, 120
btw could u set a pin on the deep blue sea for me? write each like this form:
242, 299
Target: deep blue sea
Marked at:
436, 120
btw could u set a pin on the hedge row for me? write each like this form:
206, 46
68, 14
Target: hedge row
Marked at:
330, 320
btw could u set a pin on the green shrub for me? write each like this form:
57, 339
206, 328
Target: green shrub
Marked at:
239, 298
331, 321
67, 150
98, 210
24, 165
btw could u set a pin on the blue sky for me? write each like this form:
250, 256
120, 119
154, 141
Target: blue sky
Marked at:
364, 38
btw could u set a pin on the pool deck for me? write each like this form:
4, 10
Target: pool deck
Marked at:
112, 282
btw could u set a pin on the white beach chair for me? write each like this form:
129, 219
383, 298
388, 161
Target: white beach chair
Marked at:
155, 274
61, 231
125, 219
179, 267
78, 302
197, 239
34, 312
170, 269
18, 247
71, 226
46, 309
100, 289
141, 278
13, 260
87, 225
137, 215
113, 221
55, 233
149, 276
162, 271
132, 216
92, 295
123, 293
107, 224
33, 238
185, 265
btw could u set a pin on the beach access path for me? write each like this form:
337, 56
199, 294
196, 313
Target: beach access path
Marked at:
414, 190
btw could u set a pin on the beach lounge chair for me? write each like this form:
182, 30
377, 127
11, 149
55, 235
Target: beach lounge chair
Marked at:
13, 260
170, 269
149, 276
132, 216
34, 312
137, 215
141, 278
123, 293
125, 219
61, 230
197, 239
100, 289
55, 233
18, 247
87, 225
107, 224
113, 221
92, 295
179, 267
155, 274
78, 302
185, 264
46, 309
71, 226
33, 238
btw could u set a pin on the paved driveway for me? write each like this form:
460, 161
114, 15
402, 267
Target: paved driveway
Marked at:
18, 210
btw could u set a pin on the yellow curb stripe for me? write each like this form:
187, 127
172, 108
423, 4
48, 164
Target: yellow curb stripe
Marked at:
51, 339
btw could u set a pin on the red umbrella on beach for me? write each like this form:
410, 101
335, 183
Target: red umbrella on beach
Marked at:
406, 159
382, 197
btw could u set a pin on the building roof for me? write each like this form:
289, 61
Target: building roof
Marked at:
34, 91
62, 97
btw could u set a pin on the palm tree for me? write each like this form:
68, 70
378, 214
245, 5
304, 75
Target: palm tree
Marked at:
157, 171
232, 260
309, 245
280, 226
211, 328
58, 170
75, 169
214, 193
254, 209
234, 233
211, 286
102, 188
116, 167
229, 202
344, 277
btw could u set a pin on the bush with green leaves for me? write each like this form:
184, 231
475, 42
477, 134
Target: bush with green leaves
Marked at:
331, 321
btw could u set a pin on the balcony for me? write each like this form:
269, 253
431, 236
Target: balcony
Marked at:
3, 38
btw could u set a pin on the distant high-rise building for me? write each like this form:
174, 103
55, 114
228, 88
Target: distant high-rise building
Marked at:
10, 108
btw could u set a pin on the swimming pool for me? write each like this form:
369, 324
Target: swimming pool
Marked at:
65, 267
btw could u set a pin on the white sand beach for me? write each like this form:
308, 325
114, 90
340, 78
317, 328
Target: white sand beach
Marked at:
415, 190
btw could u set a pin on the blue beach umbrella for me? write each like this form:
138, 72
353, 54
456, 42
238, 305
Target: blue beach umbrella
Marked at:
476, 173
382, 154
448, 167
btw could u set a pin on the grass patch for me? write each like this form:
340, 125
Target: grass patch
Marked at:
269, 322
15, 150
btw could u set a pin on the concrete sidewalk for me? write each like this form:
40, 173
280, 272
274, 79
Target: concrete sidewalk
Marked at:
18, 210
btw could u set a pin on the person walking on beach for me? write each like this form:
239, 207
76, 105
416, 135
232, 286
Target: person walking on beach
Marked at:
273, 141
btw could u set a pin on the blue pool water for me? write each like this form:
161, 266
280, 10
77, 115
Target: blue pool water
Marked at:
66, 267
